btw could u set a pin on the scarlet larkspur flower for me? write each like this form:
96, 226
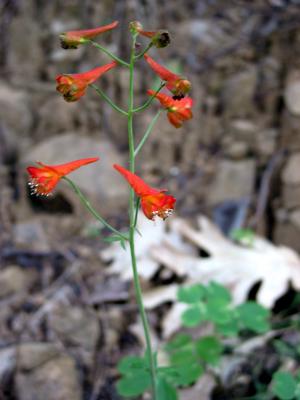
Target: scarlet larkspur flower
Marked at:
44, 178
178, 85
72, 39
178, 110
153, 202
73, 86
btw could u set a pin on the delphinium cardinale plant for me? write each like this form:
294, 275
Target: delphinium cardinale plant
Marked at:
140, 374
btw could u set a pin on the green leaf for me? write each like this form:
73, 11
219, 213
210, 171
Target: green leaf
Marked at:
297, 392
191, 294
194, 315
181, 340
182, 375
183, 356
283, 385
134, 385
130, 364
219, 311
216, 291
284, 349
230, 328
253, 316
244, 236
165, 390
209, 349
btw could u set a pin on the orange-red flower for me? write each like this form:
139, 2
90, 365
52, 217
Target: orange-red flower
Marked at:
178, 85
153, 202
178, 110
44, 178
73, 86
72, 39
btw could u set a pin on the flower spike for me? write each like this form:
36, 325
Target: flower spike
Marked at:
72, 39
178, 85
153, 202
44, 178
178, 110
73, 86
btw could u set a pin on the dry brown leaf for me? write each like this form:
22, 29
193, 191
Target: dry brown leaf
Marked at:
237, 267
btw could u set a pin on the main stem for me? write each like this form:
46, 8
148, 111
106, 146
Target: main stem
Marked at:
137, 285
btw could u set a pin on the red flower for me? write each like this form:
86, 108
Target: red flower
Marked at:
178, 110
72, 39
175, 83
73, 86
154, 202
43, 179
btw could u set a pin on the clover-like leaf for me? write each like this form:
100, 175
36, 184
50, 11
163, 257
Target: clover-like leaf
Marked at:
253, 316
209, 349
191, 294
283, 385
134, 385
194, 315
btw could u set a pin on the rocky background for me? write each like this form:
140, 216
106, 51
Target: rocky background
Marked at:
236, 161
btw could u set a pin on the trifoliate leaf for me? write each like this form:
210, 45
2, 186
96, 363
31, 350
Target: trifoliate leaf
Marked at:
209, 349
253, 316
283, 385
191, 294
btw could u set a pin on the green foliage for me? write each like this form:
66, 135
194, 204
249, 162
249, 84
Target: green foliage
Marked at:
212, 303
253, 316
284, 386
194, 315
165, 390
243, 236
188, 357
209, 349
136, 376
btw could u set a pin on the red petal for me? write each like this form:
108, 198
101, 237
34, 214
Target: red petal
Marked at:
161, 71
139, 186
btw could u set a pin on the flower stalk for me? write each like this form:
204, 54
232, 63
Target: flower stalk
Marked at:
133, 221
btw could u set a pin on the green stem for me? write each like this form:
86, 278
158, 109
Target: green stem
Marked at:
137, 206
132, 215
89, 207
109, 101
111, 55
138, 56
147, 133
149, 101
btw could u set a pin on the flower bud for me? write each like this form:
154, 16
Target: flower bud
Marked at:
135, 27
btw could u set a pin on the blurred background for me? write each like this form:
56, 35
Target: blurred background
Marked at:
237, 161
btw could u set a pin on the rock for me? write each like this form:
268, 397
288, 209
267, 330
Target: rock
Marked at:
292, 92
234, 180
7, 364
265, 142
100, 182
30, 235
243, 130
15, 113
291, 196
13, 280
289, 132
32, 355
21, 56
295, 218
208, 35
237, 150
290, 174
67, 116
76, 327
238, 93
46, 374
287, 234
